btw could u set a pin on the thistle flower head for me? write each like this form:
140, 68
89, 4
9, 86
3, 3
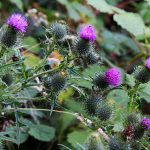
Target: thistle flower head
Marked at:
113, 77
147, 63
145, 123
17, 22
87, 32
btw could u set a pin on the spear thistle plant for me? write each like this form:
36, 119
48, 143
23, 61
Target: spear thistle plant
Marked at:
23, 88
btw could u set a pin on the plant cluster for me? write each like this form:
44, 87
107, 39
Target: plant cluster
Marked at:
111, 126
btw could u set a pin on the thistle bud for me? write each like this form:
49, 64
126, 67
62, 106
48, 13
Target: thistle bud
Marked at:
115, 144
56, 82
82, 47
91, 104
103, 112
11, 34
132, 119
7, 79
142, 74
93, 143
138, 132
58, 30
92, 58
100, 82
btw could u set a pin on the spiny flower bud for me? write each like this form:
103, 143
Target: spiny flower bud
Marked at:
11, 34
103, 111
132, 119
145, 123
113, 77
93, 143
91, 104
92, 58
115, 144
100, 82
138, 132
17, 22
7, 78
8, 37
87, 32
57, 82
82, 47
142, 74
58, 30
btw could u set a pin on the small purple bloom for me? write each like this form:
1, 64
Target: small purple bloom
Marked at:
18, 22
87, 32
145, 123
113, 77
147, 63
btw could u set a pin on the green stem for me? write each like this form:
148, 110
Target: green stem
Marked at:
132, 94
43, 73
31, 99
46, 110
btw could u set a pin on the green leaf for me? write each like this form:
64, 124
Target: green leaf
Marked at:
31, 60
118, 43
42, 132
18, 3
92, 70
118, 127
130, 80
132, 22
104, 7
65, 121
144, 91
83, 83
28, 92
85, 80
120, 97
75, 106
82, 9
71, 11
25, 122
78, 137
75, 9
32, 44
20, 138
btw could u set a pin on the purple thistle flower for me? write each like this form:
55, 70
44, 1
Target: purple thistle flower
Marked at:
113, 77
87, 32
18, 22
145, 123
147, 63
